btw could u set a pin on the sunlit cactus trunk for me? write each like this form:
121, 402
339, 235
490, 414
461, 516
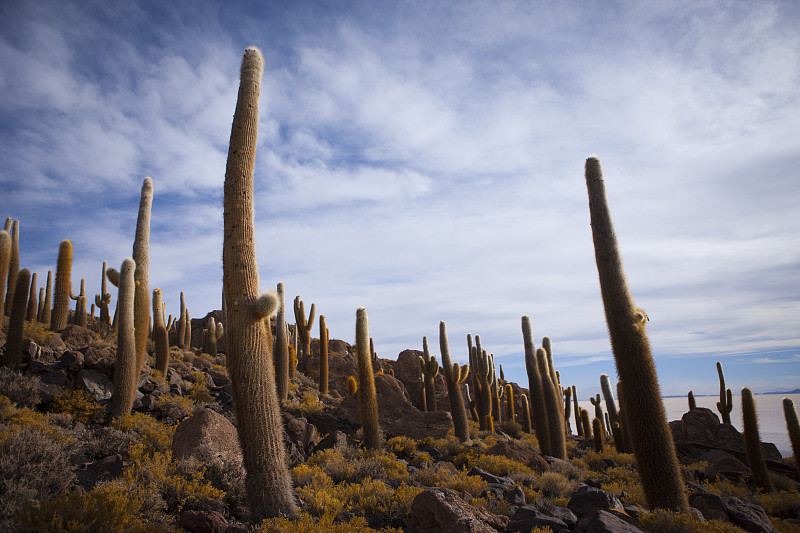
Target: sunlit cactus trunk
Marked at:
651, 438
249, 343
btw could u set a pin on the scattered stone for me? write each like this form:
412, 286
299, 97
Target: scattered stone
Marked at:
587, 499
747, 515
203, 521
442, 510
527, 517
76, 337
97, 384
206, 435
602, 521
491, 478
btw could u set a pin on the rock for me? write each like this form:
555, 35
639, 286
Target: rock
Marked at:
97, 384
527, 517
99, 359
587, 499
406, 369
76, 337
747, 515
301, 433
206, 435
105, 469
710, 505
520, 453
722, 464
396, 414
54, 343
71, 361
335, 439
443, 511
562, 513
515, 496
600, 521
491, 478
203, 521
57, 377
700, 425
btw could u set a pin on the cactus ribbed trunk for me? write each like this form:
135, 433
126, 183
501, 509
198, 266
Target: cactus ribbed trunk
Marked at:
141, 255
752, 442
429, 369
725, 403
249, 343
126, 373
33, 303
366, 384
323, 355
793, 427
16, 321
180, 325
525, 414
453, 379
552, 403
13, 267
63, 286
538, 410
5, 258
281, 358
45, 310
651, 437
160, 337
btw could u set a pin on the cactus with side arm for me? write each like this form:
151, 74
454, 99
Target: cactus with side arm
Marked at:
454, 376
725, 403
537, 400
79, 318
429, 367
303, 327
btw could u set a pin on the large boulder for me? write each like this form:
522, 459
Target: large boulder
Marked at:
520, 453
206, 435
396, 414
442, 510
76, 337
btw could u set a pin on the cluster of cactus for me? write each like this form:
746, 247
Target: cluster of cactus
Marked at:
80, 318
485, 384
429, 368
302, 329
454, 376
211, 334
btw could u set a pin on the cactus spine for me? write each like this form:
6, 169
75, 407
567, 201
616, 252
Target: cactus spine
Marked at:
63, 287
725, 403
430, 369
644, 410
30, 313
793, 427
13, 267
323, 355
454, 376
16, 321
45, 310
80, 305
752, 442
303, 327
366, 390
160, 337
249, 343
126, 372
538, 412
281, 358
552, 402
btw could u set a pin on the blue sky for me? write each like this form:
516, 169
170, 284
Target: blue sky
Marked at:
425, 160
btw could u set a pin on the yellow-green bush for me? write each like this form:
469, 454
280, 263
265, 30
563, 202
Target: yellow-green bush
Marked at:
37, 332
457, 480
350, 464
80, 404
22, 389
156, 437
401, 446
780, 504
663, 521
310, 404
200, 392
308, 524
494, 464
554, 484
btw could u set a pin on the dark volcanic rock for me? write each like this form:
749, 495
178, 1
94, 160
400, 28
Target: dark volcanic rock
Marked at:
444, 511
748, 515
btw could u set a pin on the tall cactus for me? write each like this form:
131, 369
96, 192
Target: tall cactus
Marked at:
577, 409
102, 300
793, 427
30, 313
323, 355
249, 343
45, 310
63, 287
126, 372
567, 409
725, 403
160, 337
5, 258
141, 255
538, 412
510, 414
180, 325
16, 321
454, 376
552, 402
644, 409
366, 384
79, 318
430, 369
40, 307
303, 328
13, 267
281, 358
752, 442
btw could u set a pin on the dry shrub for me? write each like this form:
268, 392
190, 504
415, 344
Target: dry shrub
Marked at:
554, 484
663, 521
80, 404
402, 446
21, 389
33, 466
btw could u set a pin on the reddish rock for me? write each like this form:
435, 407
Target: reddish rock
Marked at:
206, 435
444, 511
203, 521
100, 359
76, 337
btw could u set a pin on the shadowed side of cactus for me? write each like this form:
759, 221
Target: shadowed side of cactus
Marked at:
46, 309
752, 442
692, 401
793, 427
13, 267
366, 384
79, 317
552, 402
597, 433
323, 355
16, 321
5, 257
160, 337
33, 304
249, 342
126, 371
454, 376
641, 401
577, 409
63, 287
141, 255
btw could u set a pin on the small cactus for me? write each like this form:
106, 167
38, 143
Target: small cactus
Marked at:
303, 327
725, 403
102, 300
80, 305
577, 410
13, 267
597, 432
160, 337
526, 414
430, 369
323, 355
281, 357
598, 410
587, 425
352, 386
510, 414
45, 310
5, 257
692, 402
180, 323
